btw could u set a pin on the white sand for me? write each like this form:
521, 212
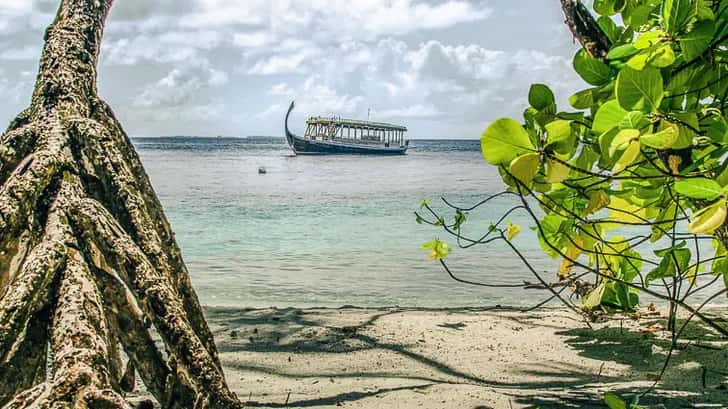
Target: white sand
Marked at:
400, 358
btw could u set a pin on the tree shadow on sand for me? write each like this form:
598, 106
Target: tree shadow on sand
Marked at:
697, 374
555, 385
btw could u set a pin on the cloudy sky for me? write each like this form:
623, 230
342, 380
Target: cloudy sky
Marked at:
230, 67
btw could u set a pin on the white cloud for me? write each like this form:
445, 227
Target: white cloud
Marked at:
253, 39
179, 95
27, 52
413, 111
285, 64
442, 62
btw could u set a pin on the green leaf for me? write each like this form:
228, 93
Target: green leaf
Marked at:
609, 27
639, 16
438, 250
664, 221
525, 167
558, 133
686, 134
624, 138
697, 40
699, 188
665, 269
590, 69
675, 14
622, 51
605, 7
634, 120
582, 99
540, 96
639, 90
663, 139
722, 178
503, 140
609, 115
649, 39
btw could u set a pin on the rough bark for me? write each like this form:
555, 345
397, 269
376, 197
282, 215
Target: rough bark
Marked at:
88, 261
585, 29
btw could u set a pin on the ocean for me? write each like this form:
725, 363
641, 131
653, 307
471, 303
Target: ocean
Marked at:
333, 230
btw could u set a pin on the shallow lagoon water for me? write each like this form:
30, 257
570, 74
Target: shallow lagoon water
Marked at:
333, 230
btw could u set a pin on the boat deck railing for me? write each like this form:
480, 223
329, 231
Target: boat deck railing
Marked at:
353, 123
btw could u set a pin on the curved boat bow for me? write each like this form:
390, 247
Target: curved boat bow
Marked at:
290, 137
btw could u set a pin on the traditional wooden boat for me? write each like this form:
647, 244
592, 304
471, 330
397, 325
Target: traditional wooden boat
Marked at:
326, 136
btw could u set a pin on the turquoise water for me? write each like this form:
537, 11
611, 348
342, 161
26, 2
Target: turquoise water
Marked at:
330, 231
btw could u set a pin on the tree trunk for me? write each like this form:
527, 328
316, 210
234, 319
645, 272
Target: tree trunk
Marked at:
88, 262
585, 29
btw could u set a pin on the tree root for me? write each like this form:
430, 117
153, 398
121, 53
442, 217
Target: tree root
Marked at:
88, 261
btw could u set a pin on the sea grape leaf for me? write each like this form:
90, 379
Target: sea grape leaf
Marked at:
675, 14
649, 39
556, 172
664, 222
708, 219
525, 167
609, 115
699, 188
634, 120
663, 139
559, 137
623, 139
639, 90
605, 7
622, 51
628, 157
504, 140
540, 96
697, 40
582, 99
590, 69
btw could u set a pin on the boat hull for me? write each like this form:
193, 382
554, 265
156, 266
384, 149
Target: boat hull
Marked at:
303, 146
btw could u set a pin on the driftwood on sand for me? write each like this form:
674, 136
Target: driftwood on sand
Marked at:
88, 262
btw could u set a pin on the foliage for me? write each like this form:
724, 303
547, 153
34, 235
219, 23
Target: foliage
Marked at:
628, 186
645, 147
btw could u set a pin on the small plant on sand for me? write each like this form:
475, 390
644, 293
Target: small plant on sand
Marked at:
629, 186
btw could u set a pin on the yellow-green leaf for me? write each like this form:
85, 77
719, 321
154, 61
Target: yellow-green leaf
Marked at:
623, 211
623, 140
650, 38
438, 250
663, 139
525, 167
504, 140
512, 231
708, 219
556, 172
628, 157
609, 115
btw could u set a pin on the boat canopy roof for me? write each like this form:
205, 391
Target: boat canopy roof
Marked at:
352, 123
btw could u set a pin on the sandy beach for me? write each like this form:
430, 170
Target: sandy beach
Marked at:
460, 358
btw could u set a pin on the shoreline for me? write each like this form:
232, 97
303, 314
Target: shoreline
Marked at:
472, 357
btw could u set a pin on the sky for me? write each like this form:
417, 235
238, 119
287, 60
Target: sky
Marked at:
443, 68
